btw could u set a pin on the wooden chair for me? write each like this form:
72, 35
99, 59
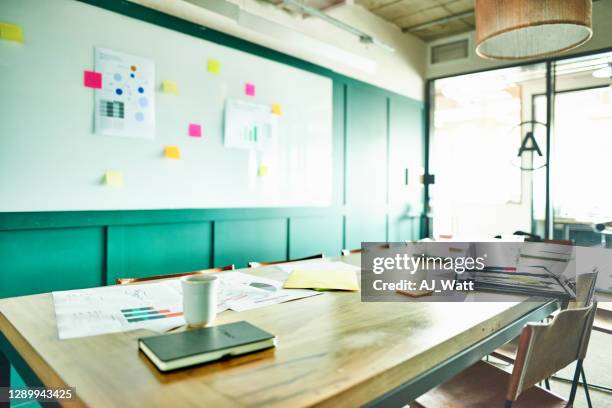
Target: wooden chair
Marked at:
347, 252
559, 241
256, 264
585, 289
124, 281
543, 350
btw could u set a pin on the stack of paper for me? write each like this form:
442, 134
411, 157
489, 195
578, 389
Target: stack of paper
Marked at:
320, 275
318, 265
318, 279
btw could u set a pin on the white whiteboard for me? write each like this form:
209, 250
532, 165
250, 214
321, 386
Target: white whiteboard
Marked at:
50, 158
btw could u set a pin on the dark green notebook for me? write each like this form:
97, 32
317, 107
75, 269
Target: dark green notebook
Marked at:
183, 349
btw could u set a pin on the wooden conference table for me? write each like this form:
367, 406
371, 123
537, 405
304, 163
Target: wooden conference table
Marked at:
333, 350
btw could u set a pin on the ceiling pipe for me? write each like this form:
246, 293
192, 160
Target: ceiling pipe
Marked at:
275, 30
363, 37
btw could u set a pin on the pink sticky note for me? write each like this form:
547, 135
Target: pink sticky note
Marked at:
249, 89
92, 79
195, 130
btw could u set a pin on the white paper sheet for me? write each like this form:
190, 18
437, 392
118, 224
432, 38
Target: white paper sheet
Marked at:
317, 265
125, 105
249, 126
241, 291
110, 309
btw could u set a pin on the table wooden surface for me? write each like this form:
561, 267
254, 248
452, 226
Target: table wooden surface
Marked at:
333, 350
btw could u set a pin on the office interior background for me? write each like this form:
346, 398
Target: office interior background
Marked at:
421, 105
423, 138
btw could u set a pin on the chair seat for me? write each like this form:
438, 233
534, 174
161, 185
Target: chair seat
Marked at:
484, 386
507, 352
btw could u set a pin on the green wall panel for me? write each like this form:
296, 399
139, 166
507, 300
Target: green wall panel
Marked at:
146, 250
338, 129
367, 227
239, 242
405, 155
35, 261
315, 235
366, 149
403, 227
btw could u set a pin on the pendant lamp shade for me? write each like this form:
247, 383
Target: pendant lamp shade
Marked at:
518, 29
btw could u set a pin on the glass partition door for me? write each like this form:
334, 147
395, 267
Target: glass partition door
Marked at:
479, 121
580, 149
488, 148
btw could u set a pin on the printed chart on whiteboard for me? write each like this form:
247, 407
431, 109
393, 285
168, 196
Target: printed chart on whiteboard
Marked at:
125, 105
249, 126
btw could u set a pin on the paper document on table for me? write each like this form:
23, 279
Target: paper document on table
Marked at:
319, 265
317, 279
240, 291
117, 308
157, 306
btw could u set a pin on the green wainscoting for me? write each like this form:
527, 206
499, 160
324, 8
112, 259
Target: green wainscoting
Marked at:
42, 260
239, 242
145, 250
313, 235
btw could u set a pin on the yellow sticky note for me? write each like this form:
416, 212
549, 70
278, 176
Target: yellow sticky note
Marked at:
262, 171
214, 66
276, 109
11, 32
311, 279
113, 178
169, 87
172, 152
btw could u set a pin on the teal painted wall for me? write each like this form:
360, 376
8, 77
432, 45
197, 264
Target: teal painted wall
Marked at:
42, 260
313, 235
239, 242
157, 249
377, 135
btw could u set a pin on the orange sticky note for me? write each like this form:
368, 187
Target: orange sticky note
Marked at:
172, 152
276, 109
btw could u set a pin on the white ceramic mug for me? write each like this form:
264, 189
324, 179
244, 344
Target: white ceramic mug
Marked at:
200, 299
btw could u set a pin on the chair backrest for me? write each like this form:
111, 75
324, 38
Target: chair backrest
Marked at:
256, 264
559, 241
124, 281
545, 349
585, 289
347, 252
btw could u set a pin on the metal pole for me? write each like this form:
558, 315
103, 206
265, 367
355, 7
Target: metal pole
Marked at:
428, 118
550, 105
